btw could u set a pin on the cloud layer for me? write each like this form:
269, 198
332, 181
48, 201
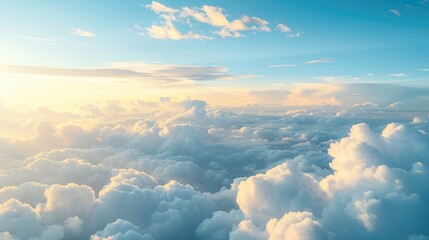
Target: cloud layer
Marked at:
186, 170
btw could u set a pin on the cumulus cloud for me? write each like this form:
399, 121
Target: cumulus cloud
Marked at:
213, 17
188, 170
120, 230
296, 225
376, 186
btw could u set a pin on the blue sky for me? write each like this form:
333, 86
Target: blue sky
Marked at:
347, 41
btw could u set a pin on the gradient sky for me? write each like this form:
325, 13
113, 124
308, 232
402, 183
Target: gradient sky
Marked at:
299, 41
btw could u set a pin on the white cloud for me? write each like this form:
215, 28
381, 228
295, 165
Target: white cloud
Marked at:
295, 191
133, 71
282, 65
283, 28
395, 12
82, 33
189, 170
296, 226
339, 79
323, 60
120, 230
398, 75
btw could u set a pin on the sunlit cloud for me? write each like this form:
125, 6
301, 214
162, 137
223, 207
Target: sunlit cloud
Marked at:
133, 71
82, 33
207, 121
214, 17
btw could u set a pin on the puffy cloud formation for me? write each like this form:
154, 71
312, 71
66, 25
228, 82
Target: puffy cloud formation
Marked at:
187, 170
120, 230
376, 190
212, 16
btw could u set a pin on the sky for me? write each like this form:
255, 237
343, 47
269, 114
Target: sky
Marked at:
214, 120
217, 47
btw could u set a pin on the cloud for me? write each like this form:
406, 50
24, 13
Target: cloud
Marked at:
169, 31
129, 71
339, 79
120, 229
295, 191
395, 12
82, 33
374, 178
191, 170
296, 225
214, 17
40, 40
282, 65
323, 60
283, 28
398, 75
352, 94
160, 8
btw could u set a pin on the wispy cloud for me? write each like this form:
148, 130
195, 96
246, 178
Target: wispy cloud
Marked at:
160, 8
138, 71
395, 12
82, 33
285, 29
40, 40
282, 65
422, 69
398, 75
343, 79
323, 60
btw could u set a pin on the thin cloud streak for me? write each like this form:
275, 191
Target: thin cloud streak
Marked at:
323, 60
282, 65
395, 12
132, 70
398, 75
